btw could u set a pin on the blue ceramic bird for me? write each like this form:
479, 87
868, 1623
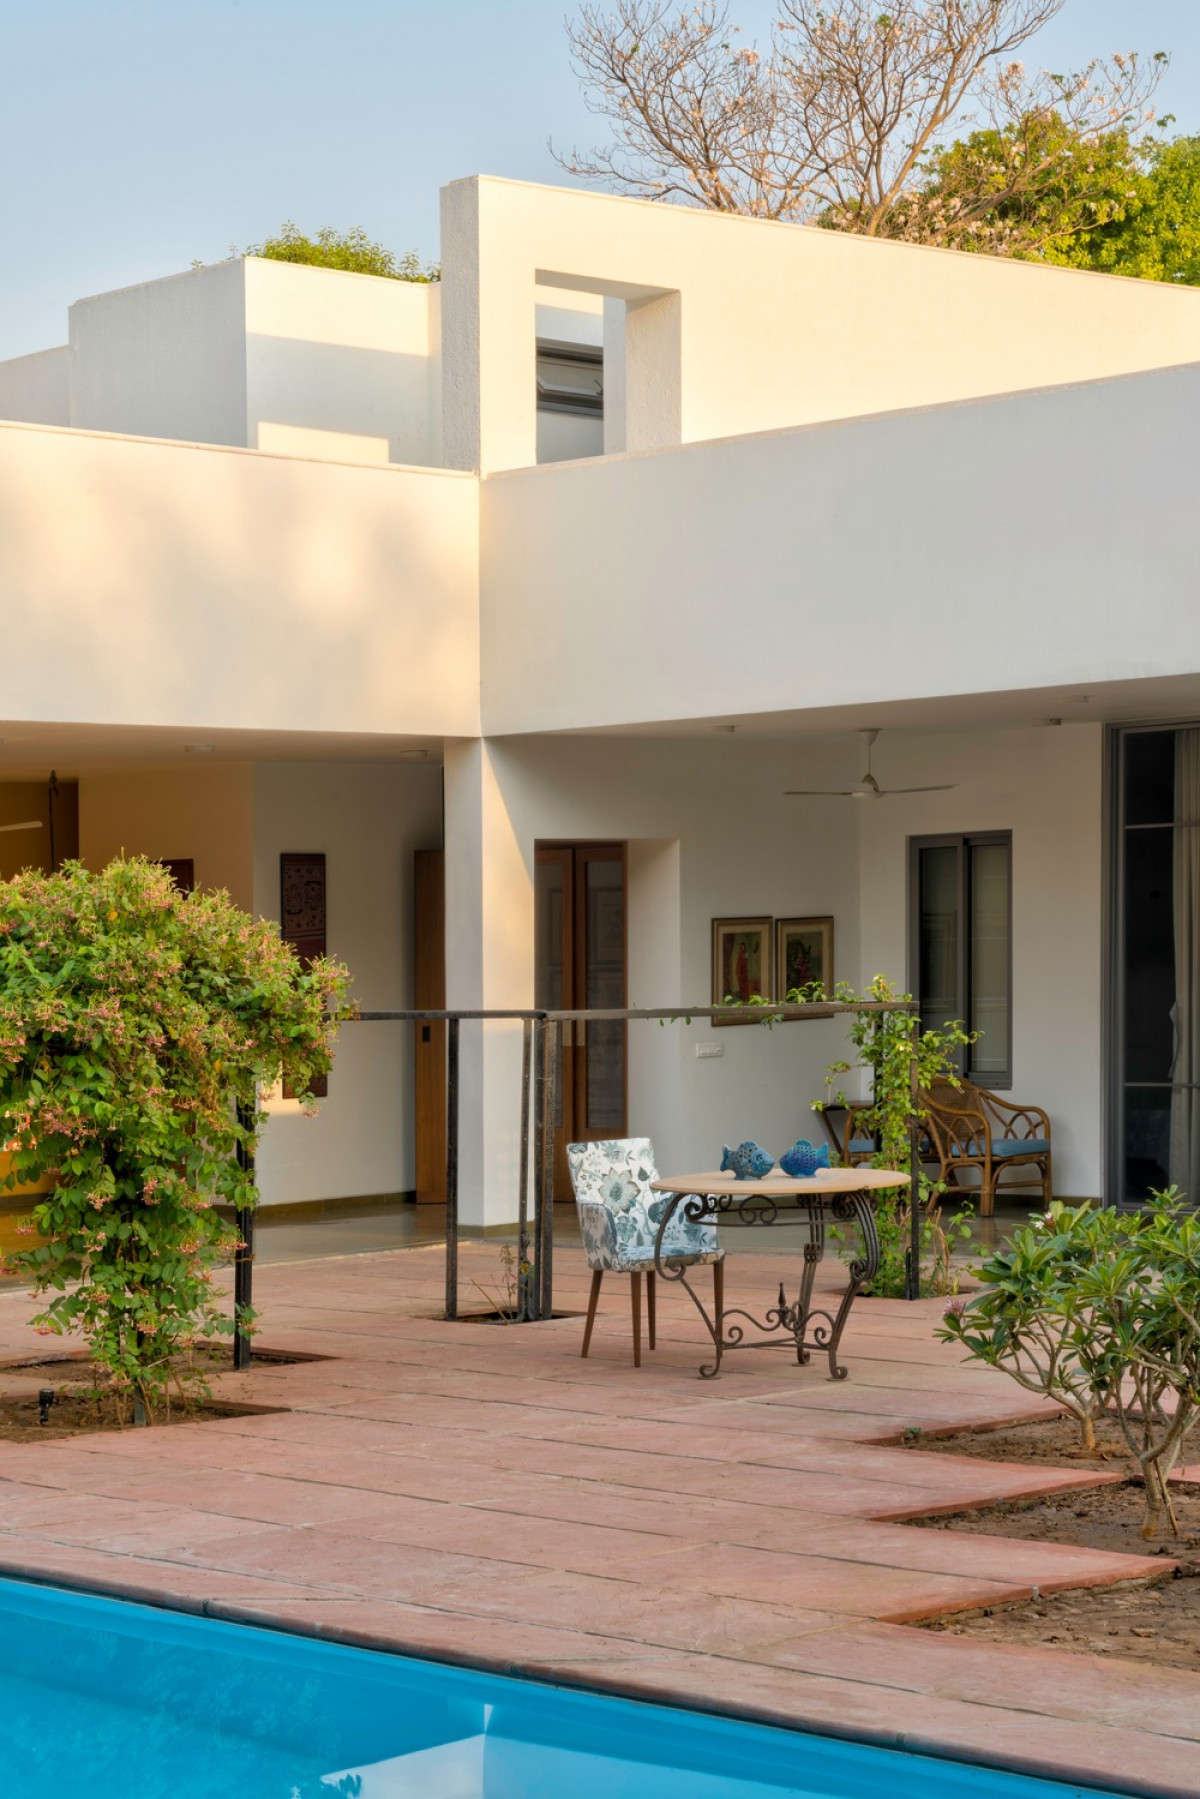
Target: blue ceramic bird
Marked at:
804, 1158
748, 1162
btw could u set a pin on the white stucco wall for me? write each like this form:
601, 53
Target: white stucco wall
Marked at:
164, 359
1046, 787
991, 546
710, 834
153, 583
368, 819
339, 365
203, 812
736, 325
37, 389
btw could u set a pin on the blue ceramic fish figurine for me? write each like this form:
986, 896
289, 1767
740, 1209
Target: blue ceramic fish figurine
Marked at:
748, 1162
803, 1159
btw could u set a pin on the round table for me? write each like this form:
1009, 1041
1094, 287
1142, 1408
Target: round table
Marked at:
845, 1195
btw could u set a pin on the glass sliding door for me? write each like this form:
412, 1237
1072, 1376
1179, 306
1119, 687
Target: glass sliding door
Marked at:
1156, 1011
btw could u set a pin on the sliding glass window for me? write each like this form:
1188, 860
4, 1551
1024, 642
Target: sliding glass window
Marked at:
960, 926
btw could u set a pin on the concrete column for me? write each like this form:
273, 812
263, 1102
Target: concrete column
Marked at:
489, 965
488, 336
653, 373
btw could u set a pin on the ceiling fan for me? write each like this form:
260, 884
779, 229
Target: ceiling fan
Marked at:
868, 787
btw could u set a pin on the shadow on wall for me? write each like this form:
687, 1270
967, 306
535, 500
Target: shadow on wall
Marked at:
338, 402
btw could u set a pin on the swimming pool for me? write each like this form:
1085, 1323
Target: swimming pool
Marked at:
120, 1701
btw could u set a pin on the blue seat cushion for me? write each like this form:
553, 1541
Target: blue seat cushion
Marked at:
860, 1146
1004, 1147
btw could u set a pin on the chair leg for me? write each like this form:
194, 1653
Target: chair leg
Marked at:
635, 1292
593, 1297
987, 1192
1047, 1188
650, 1317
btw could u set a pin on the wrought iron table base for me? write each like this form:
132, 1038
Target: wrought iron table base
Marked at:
798, 1324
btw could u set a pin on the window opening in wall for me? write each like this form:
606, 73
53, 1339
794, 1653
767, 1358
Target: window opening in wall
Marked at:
960, 956
1155, 910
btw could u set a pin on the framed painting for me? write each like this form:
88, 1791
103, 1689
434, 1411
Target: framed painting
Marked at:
741, 963
803, 954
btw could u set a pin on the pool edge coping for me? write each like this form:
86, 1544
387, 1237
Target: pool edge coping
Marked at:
548, 1674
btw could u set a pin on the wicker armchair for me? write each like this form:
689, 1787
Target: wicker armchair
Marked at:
851, 1142
964, 1127
968, 1127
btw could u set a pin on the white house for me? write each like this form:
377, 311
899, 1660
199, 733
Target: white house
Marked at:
571, 567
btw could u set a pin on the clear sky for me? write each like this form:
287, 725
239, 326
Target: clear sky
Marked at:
139, 135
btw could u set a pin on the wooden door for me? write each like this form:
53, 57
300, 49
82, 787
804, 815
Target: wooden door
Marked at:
580, 964
429, 993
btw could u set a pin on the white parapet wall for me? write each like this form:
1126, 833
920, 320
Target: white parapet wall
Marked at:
726, 325
37, 389
996, 545
156, 583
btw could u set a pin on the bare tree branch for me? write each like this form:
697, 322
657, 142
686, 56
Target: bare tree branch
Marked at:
839, 120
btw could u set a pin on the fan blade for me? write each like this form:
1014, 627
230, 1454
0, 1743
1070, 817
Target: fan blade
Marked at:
818, 793
30, 824
944, 788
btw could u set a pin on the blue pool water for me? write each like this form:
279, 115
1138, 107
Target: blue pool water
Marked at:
117, 1701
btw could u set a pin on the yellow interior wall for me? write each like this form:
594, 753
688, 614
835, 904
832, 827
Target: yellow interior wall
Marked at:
28, 800
206, 813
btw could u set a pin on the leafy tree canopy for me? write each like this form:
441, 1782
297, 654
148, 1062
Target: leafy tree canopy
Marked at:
1034, 189
1156, 234
351, 250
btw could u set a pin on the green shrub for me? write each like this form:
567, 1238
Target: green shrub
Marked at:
885, 1044
1100, 1311
134, 1022
350, 250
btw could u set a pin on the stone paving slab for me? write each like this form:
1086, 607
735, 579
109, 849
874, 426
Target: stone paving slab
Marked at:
482, 1494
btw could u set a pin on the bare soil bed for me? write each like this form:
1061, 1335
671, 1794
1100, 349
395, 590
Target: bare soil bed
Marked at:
72, 1415
1157, 1623
76, 1411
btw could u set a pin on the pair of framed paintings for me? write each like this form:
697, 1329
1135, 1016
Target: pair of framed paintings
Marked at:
766, 958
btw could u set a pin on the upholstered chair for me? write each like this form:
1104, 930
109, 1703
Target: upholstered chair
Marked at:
619, 1216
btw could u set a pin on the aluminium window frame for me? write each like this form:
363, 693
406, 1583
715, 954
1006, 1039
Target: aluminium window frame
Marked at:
994, 1080
1112, 1009
584, 356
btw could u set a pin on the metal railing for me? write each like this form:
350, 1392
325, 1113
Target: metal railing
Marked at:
541, 1060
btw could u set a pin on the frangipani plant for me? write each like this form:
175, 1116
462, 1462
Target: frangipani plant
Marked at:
1100, 1311
135, 1022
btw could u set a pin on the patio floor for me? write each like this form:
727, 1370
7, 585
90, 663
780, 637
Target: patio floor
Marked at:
482, 1494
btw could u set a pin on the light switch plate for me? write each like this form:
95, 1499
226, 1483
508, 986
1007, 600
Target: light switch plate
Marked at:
705, 1050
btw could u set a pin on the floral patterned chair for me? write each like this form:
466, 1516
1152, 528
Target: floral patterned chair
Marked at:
619, 1216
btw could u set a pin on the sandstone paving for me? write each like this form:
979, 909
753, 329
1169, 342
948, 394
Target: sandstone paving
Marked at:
482, 1494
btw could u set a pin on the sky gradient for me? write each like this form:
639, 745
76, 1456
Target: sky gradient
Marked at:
137, 136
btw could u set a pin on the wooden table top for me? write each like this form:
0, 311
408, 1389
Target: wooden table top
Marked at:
834, 1180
